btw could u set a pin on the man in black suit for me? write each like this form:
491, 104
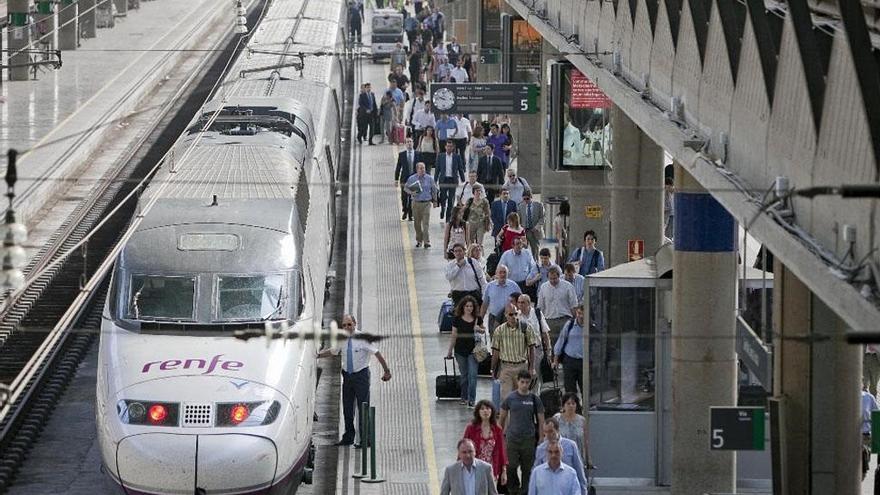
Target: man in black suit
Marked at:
448, 173
366, 113
490, 172
406, 166
453, 51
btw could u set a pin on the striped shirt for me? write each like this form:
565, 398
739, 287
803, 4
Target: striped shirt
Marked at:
512, 343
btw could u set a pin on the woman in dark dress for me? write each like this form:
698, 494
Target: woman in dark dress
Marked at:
466, 327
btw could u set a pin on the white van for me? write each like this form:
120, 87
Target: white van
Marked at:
387, 32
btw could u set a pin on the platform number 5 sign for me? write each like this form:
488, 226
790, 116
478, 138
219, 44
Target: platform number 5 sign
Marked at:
737, 428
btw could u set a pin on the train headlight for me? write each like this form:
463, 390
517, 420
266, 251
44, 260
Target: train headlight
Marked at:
247, 413
144, 412
136, 412
239, 413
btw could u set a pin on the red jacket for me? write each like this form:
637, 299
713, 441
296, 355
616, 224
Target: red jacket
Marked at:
498, 455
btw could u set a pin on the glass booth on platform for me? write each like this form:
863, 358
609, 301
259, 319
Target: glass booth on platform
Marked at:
630, 375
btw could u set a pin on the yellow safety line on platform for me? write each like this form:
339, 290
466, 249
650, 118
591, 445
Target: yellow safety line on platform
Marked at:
421, 370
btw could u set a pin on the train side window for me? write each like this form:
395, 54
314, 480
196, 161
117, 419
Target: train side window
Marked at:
302, 199
329, 153
301, 298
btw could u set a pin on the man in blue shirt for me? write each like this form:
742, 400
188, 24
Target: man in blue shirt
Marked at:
495, 297
575, 279
554, 477
521, 268
396, 93
446, 128
570, 345
571, 455
588, 257
423, 190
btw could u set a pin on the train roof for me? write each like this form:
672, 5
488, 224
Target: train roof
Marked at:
264, 166
239, 235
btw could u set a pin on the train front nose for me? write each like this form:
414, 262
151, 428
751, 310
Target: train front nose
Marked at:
176, 464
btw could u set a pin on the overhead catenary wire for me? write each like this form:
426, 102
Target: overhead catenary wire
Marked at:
61, 257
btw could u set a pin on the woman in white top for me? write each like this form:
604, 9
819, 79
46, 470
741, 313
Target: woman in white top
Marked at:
478, 142
573, 426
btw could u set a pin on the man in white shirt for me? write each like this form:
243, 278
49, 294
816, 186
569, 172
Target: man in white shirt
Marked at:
416, 104
459, 73
466, 191
462, 134
355, 374
423, 118
554, 477
557, 301
465, 275
535, 320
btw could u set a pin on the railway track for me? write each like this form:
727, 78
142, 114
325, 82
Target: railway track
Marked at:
46, 330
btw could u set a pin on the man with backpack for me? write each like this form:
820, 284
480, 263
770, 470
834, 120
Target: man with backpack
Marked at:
588, 257
517, 186
521, 414
513, 350
535, 320
569, 350
557, 299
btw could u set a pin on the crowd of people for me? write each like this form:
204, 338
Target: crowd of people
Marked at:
518, 305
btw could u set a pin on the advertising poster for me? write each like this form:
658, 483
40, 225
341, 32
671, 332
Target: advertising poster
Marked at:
490, 24
526, 57
586, 132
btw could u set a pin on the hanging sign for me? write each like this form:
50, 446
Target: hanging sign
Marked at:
585, 94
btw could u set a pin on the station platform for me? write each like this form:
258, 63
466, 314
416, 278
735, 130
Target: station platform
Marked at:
73, 124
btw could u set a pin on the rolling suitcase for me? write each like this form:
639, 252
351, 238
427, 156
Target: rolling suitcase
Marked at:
484, 368
496, 394
446, 385
551, 397
444, 319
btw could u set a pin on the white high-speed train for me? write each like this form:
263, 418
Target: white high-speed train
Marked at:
236, 231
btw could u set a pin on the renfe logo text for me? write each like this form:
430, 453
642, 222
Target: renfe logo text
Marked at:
196, 364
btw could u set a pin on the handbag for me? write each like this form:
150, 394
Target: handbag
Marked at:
481, 349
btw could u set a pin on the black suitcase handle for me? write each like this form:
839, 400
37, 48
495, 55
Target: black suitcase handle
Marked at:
446, 369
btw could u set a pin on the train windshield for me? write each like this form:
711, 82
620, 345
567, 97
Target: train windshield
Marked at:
251, 298
162, 297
